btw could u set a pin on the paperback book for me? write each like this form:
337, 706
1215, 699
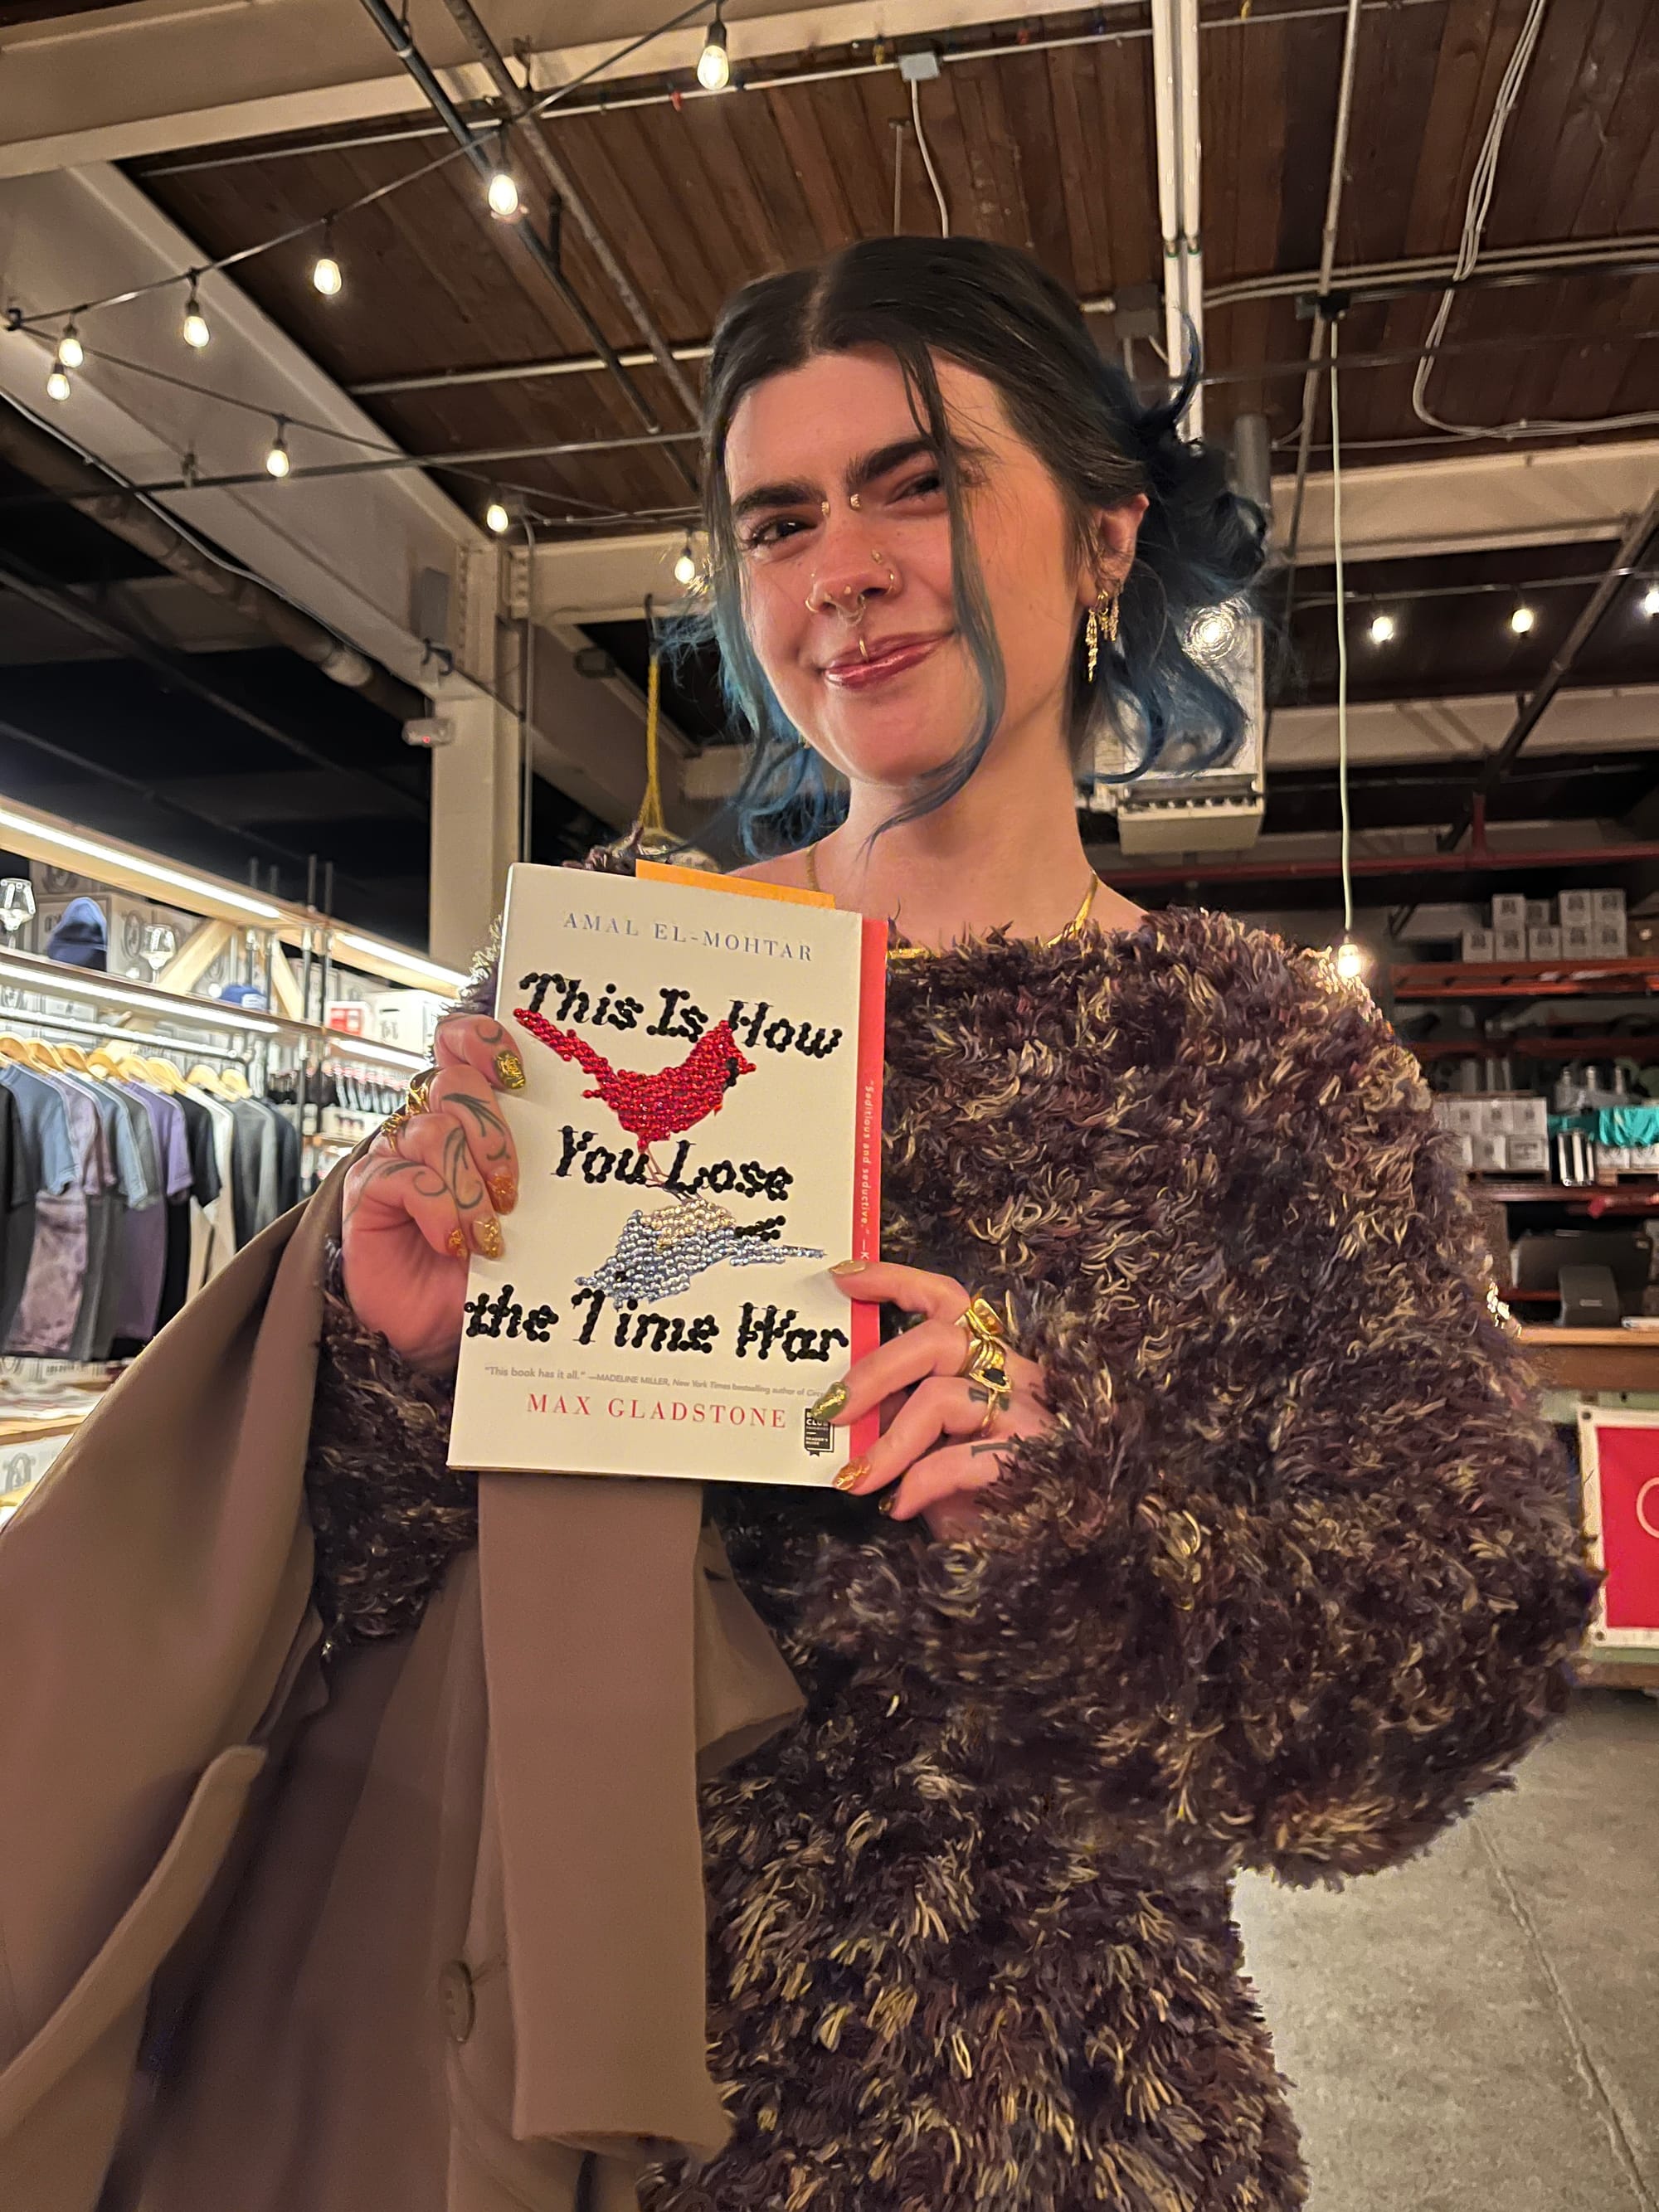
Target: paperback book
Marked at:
699, 1144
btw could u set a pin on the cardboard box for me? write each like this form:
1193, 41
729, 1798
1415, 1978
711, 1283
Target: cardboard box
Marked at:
1478, 945
1577, 906
1577, 940
1510, 941
1529, 1117
1490, 1153
1509, 910
1494, 1117
1461, 1148
1544, 943
407, 1019
1609, 937
1464, 1115
1612, 1159
1539, 914
1609, 903
1529, 1155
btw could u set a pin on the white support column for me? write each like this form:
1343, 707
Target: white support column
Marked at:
475, 826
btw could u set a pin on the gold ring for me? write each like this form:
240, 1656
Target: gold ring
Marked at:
419, 1093
392, 1126
988, 1369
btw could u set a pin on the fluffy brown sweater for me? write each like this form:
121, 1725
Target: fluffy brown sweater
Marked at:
1290, 1581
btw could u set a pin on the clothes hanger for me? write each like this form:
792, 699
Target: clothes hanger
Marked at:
235, 1084
42, 1056
164, 1075
11, 1048
71, 1057
102, 1063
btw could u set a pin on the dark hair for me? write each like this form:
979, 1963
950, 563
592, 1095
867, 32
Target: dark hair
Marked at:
995, 311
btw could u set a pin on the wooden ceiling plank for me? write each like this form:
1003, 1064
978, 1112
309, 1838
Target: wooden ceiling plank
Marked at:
1314, 65
995, 201
760, 146
865, 166
666, 190
1124, 161
801, 133
587, 143
743, 240
1628, 136
1077, 125
1028, 102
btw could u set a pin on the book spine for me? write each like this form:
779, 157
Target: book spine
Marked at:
866, 1176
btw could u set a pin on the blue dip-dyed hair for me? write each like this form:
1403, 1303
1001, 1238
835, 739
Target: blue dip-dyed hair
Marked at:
995, 310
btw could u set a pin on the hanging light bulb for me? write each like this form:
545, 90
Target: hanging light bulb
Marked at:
497, 519
1523, 620
277, 462
58, 383
685, 568
1651, 601
502, 191
195, 329
713, 63
1350, 960
70, 351
326, 276
1382, 630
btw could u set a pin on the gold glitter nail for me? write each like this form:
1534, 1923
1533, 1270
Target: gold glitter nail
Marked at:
886, 1504
487, 1237
854, 1471
849, 1266
509, 1071
457, 1243
503, 1192
826, 1408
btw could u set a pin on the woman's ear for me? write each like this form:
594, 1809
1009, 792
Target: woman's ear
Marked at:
1113, 533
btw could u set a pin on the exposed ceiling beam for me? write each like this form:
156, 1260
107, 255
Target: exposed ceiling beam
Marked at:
141, 79
348, 552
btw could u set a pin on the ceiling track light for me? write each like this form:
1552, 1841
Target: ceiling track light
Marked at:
70, 351
326, 276
57, 382
194, 329
277, 460
714, 62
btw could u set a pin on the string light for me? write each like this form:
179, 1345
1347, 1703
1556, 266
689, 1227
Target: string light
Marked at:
497, 519
70, 351
503, 188
1523, 620
58, 383
278, 462
325, 277
1382, 630
715, 63
1350, 960
195, 328
685, 568
1651, 601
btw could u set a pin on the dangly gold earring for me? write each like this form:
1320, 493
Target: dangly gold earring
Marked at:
1102, 623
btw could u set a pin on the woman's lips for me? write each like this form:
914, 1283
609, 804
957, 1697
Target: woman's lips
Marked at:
852, 673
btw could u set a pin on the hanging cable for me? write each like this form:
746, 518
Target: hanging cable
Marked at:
927, 159
651, 823
1476, 209
1350, 959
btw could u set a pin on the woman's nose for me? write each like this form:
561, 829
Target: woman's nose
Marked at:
852, 568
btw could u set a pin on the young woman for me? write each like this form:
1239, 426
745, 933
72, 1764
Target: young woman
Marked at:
1257, 1555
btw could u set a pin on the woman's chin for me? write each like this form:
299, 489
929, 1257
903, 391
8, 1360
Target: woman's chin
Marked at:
894, 742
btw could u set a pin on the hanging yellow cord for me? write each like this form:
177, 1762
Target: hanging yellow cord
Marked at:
651, 819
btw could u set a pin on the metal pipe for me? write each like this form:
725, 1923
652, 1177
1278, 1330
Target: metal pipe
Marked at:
1631, 548
28, 583
1327, 264
1383, 864
404, 46
519, 103
109, 501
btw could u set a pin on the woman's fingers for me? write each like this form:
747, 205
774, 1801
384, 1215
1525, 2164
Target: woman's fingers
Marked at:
959, 1472
385, 1189
437, 1143
916, 1289
461, 1091
479, 1041
945, 1406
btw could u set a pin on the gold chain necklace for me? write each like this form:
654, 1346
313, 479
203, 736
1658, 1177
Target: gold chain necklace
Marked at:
1073, 928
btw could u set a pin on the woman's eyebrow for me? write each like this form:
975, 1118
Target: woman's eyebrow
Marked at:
872, 466
799, 494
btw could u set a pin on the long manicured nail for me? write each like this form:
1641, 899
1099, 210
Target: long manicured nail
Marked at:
487, 1237
848, 1266
457, 1243
854, 1472
886, 1504
503, 1192
826, 1408
509, 1071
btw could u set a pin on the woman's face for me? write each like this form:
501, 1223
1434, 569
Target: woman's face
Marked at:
835, 493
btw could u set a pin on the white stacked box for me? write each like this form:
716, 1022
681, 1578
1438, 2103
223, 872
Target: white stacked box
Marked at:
1510, 940
1544, 943
1490, 1153
1529, 1155
1577, 940
1478, 945
1509, 910
1539, 915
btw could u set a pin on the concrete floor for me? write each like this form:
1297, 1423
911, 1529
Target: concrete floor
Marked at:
1478, 2031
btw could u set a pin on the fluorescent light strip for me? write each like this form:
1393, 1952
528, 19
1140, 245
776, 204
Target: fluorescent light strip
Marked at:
166, 1005
450, 979
347, 1047
153, 871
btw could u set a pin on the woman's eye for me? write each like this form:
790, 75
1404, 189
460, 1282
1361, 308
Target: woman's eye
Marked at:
773, 532
928, 485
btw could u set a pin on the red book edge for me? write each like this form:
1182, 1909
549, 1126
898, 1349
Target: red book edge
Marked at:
866, 1154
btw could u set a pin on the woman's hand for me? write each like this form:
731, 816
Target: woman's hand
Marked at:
935, 1443
419, 1203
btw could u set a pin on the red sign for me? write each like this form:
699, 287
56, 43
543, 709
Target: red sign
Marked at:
1626, 1477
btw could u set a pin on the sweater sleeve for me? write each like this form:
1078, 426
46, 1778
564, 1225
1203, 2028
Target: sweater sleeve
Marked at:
1296, 1581
387, 1512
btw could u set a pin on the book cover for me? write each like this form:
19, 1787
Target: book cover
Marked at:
699, 1143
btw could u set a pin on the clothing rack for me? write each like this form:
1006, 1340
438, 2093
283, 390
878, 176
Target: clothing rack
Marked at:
24, 1021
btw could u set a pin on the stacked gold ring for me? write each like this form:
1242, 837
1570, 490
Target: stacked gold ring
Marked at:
985, 1366
417, 1099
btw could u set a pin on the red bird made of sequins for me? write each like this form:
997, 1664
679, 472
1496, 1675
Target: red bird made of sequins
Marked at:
667, 1101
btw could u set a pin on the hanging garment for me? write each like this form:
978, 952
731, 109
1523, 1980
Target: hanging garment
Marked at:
60, 1262
213, 1227
46, 1168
